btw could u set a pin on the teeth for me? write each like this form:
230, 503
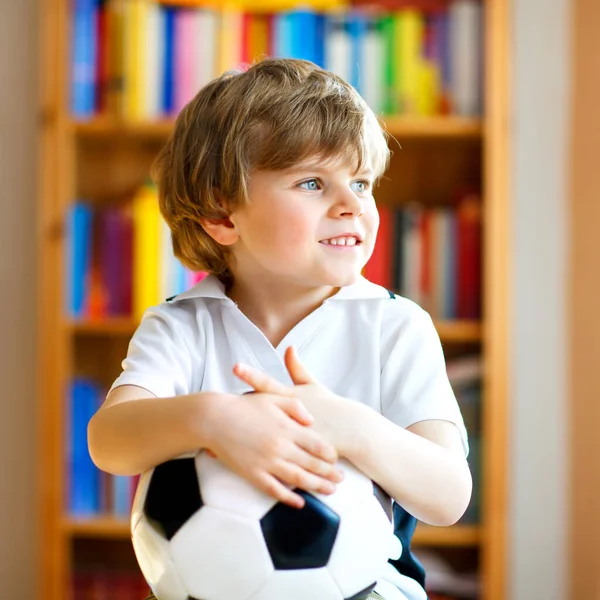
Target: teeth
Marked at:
350, 241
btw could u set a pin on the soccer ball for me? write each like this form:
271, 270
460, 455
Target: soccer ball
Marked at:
201, 532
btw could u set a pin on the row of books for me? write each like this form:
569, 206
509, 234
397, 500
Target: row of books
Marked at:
432, 256
120, 258
100, 583
92, 492
145, 60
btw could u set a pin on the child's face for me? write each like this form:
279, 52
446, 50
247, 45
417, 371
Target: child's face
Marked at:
313, 225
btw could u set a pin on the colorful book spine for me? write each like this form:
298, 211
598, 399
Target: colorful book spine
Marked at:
146, 60
432, 255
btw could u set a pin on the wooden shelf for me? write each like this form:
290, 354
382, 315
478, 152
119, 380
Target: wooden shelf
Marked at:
425, 535
398, 126
449, 331
457, 535
96, 527
433, 127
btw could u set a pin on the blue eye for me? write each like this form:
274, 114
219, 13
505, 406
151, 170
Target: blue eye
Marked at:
360, 186
310, 184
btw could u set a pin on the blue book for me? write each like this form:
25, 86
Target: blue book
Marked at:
357, 25
282, 35
168, 67
84, 58
320, 24
84, 477
304, 34
121, 501
79, 257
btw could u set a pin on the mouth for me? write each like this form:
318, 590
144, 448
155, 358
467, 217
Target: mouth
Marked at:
343, 241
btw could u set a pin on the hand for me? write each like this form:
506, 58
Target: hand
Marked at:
327, 409
266, 440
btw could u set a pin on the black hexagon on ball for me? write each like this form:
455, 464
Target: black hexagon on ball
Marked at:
173, 495
300, 538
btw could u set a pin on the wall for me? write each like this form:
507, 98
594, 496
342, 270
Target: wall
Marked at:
18, 507
541, 81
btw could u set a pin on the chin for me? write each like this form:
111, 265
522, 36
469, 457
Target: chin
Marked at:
343, 280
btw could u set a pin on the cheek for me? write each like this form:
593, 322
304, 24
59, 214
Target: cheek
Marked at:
287, 230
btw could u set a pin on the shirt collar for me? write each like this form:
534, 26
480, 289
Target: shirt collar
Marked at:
212, 287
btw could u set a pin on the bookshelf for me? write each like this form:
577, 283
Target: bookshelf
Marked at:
107, 155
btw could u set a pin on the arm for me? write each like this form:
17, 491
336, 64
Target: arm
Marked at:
134, 430
265, 440
422, 467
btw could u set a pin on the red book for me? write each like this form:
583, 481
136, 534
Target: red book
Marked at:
469, 215
102, 58
379, 268
246, 59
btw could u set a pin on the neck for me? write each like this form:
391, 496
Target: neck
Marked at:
276, 307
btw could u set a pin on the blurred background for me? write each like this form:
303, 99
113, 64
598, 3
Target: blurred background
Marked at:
489, 218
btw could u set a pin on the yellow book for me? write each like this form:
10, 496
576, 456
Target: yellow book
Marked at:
130, 57
411, 30
428, 92
141, 101
229, 51
258, 41
146, 250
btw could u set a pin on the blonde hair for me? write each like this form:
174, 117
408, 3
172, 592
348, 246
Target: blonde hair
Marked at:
278, 112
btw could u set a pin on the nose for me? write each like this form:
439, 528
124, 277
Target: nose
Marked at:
347, 204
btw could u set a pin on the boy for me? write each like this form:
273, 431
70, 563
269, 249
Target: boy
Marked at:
266, 183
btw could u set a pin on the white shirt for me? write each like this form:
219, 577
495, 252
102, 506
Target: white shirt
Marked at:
360, 343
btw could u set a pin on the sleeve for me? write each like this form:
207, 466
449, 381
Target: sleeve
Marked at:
159, 357
414, 381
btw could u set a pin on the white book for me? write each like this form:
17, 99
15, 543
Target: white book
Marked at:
338, 47
206, 27
153, 62
371, 67
466, 50
411, 253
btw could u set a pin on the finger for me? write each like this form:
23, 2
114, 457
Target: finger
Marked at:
297, 477
296, 369
296, 410
274, 488
260, 381
317, 466
312, 442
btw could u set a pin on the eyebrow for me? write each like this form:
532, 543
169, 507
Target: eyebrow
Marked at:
317, 168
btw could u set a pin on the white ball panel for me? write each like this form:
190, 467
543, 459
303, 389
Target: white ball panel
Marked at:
222, 488
137, 507
362, 548
220, 555
305, 584
153, 556
351, 491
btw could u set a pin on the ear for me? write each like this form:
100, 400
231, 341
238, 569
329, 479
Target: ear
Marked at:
221, 230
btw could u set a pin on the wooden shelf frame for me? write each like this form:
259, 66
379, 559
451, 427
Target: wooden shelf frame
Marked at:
399, 126
59, 135
119, 529
449, 331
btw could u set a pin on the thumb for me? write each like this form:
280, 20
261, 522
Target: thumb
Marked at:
297, 371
